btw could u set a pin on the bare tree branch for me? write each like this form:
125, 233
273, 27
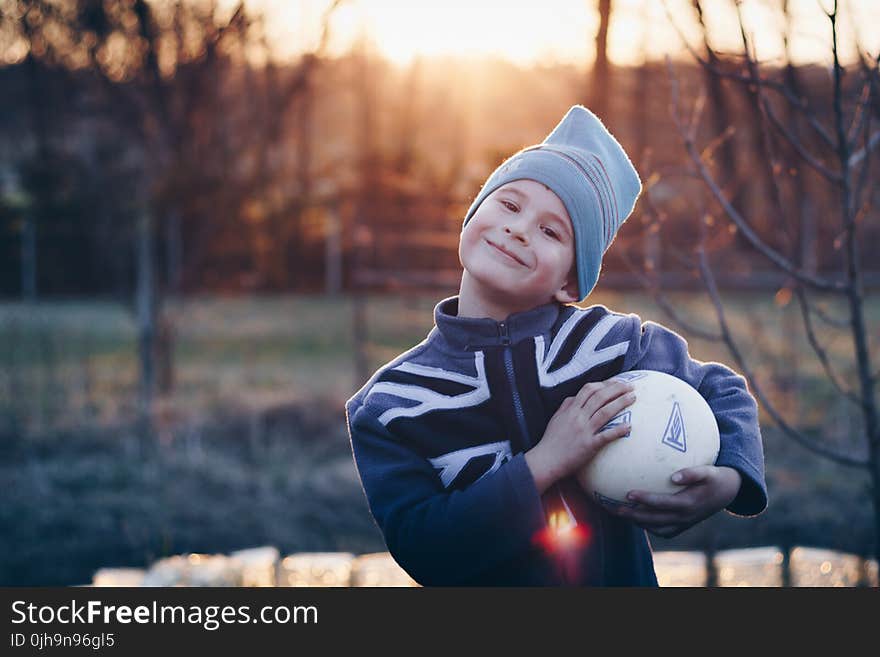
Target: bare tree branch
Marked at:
853, 269
863, 152
772, 157
825, 317
847, 181
771, 254
664, 304
717, 142
869, 107
756, 80
325, 27
861, 184
808, 157
820, 351
794, 434
799, 104
861, 113
837, 102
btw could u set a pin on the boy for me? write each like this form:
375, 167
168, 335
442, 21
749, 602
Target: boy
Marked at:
466, 444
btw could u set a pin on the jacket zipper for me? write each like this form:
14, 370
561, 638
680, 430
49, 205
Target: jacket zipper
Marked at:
521, 418
508, 366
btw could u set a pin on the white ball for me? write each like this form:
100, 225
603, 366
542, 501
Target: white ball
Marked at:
672, 428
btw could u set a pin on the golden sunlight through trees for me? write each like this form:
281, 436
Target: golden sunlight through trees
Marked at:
563, 31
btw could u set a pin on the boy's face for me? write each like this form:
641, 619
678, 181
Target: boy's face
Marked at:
519, 246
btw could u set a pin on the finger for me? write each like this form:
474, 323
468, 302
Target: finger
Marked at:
587, 391
612, 433
666, 532
603, 438
611, 410
692, 475
605, 390
606, 394
648, 518
660, 501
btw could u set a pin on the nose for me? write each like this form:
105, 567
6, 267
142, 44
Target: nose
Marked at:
516, 232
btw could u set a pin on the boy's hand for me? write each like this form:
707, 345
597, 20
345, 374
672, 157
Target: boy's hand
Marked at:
574, 434
708, 489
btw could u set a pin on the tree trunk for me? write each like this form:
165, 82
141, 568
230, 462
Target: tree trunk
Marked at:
600, 84
38, 107
305, 134
875, 482
651, 252
145, 304
164, 343
163, 353
365, 208
360, 338
333, 253
720, 117
29, 259
863, 364
173, 252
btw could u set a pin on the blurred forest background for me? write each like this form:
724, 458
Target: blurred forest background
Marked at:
211, 236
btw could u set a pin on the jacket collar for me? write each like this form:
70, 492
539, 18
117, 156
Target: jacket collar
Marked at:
471, 333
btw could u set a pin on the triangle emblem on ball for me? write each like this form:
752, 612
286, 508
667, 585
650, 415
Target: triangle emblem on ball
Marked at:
674, 435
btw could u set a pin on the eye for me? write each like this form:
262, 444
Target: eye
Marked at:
509, 205
550, 232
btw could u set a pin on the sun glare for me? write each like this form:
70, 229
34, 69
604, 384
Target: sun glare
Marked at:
563, 31
466, 28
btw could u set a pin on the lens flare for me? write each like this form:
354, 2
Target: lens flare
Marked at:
562, 533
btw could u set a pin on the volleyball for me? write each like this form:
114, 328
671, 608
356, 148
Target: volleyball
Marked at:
672, 427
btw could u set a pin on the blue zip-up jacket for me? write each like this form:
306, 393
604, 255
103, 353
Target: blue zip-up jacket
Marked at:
439, 436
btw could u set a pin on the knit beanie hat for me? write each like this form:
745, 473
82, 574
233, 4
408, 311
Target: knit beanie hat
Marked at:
591, 174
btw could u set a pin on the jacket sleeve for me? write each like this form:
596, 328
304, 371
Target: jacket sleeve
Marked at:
653, 347
441, 537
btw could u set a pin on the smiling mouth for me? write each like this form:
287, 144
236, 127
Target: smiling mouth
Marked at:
510, 255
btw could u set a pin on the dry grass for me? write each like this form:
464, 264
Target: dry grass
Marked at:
253, 447
75, 363
77, 503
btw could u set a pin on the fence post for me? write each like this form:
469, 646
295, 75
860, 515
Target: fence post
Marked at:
359, 329
332, 252
786, 566
711, 570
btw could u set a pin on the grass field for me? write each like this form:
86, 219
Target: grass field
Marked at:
67, 364
254, 449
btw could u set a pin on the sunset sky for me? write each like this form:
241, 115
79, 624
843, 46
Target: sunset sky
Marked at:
553, 31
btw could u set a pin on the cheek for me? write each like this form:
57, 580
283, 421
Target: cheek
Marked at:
465, 243
470, 235
557, 263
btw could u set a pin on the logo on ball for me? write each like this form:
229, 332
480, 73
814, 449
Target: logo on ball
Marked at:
674, 435
624, 417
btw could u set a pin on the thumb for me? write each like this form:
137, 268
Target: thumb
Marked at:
692, 475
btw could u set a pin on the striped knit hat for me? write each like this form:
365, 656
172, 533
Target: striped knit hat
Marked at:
591, 174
